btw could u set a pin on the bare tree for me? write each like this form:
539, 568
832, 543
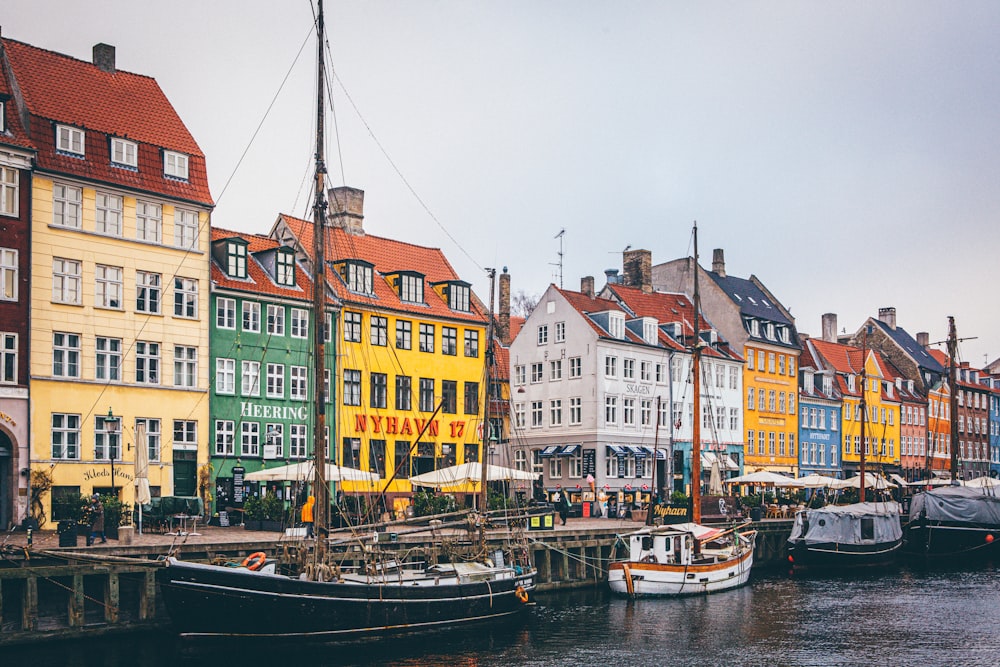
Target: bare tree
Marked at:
522, 303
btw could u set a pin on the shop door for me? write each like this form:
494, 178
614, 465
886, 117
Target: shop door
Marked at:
185, 473
8, 482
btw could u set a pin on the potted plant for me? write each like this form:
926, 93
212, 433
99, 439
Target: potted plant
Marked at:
253, 513
273, 511
112, 516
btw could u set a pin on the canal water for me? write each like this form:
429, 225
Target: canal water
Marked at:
910, 617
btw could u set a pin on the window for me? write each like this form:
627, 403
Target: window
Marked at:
352, 387
734, 377
404, 393
107, 286
65, 281
147, 292
472, 398
426, 337
297, 441
123, 153
275, 320
66, 355
426, 395
519, 415
225, 313
575, 367
536, 414
250, 378
275, 380
411, 288
65, 436
106, 439
185, 297
285, 268
471, 343
543, 334
519, 374
250, 439
555, 412
70, 140
251, 316
576, 410
225, 376
449, 396
147, 362
458, 297
186, 229
628, 411
352, 326
628, 369
300, 323
560, 332
148, 221
645, 412
108, 358
449, 341
8, 358
298, 383
379, 331
610, 409
108, 214
734, 419
175, 165
378, 389
645, 371
358, 277
8, 274
661, 373
555, 370
536, 372
225, 433
185, 434
404, 331
185, 366
9, 182
611, 366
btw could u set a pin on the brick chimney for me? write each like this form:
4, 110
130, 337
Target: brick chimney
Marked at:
719, 263
830, 327
637, 269
587, 286
347, 209
104, 57
888, 317
503, 317
923, 339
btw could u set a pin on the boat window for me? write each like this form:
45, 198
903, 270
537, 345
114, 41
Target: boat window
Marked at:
647, 542
867, 528
822, 522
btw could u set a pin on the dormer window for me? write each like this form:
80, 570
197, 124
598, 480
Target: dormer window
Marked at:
770, 331
410, 287
284, 272
358, 276
3, 116
236, 259
616, 325
123, 153
458, 297
175, 165
783, 334
70, 140
754, 328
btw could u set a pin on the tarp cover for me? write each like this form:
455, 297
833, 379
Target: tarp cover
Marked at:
957, 503
842, 523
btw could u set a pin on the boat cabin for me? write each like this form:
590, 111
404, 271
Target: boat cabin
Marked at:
673, 548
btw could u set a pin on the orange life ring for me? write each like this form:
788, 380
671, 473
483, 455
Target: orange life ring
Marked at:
521, 594
254, 561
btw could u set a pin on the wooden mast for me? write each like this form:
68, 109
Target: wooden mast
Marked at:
321, 492
953, 397
484, 453
696, 369
656, 448
864, 413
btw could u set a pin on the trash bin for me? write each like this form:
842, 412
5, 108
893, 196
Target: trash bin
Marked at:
756, 513
67, 533
586, 510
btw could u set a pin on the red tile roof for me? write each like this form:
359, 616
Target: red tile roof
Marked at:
516, 322
59, 89
14, 134
258, 281
389, 256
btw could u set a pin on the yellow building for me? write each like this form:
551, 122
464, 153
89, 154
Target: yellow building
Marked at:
120, 212
411, 346
770, 384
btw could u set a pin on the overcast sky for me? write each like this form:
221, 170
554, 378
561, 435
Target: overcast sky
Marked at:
845, 153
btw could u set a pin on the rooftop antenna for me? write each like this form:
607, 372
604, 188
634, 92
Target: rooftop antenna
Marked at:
560, 262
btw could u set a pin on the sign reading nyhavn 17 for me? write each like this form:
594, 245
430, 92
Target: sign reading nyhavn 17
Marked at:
457, 428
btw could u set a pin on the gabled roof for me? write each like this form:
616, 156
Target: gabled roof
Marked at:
387, 256
910, 346
750, 298
585, 305
13, 134
56, 88
258, 281
516, 322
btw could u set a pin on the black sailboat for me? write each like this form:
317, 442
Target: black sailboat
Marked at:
953, 523
320, 598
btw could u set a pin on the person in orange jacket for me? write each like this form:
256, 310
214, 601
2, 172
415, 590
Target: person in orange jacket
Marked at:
307, 515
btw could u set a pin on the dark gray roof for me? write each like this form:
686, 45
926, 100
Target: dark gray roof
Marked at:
910, 345
751, 300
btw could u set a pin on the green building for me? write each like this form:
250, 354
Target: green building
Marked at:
261, 350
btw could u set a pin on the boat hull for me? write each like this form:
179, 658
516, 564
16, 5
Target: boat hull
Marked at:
948, 541
218, 601
638, 579
838, 555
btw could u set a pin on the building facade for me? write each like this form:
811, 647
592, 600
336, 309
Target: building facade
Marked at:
119, 278
819, 419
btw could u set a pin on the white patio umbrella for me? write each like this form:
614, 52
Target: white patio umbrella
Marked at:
142, 495
872, 481
715, 480
761, 478
305, 470
812, 481
470, 473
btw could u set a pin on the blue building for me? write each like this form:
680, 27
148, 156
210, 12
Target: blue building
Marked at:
819, 419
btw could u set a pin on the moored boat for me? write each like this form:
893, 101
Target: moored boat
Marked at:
846, 536
954, 522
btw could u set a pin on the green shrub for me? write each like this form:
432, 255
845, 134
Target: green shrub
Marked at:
428, 504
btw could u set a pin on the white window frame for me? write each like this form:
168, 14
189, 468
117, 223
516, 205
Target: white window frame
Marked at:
225, 437
300, 323
575, 367
185, 228
297, 442
9, 272
225, 313
148, 221
175, 165
71, 140
108, 358
185, 366
65, 436
285, 269
10, 181
575, 410
251, 316
275, 381
108, 214
124, 153
8, 357
250, 378
250, 438
147, 362
225, 376
65, 354
108, 287
148, 292
298, 383
186, 434
275, 319
186, 298
67, 205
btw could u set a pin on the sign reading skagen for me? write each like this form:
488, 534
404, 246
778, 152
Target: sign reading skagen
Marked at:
638, 389
248, 409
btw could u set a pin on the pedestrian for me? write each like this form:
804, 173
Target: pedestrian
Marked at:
96, 520
307, 515
564, 507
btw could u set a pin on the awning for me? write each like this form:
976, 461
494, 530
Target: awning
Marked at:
617, 450
637, 451
726, 462
568, 450
661, 454
549, 451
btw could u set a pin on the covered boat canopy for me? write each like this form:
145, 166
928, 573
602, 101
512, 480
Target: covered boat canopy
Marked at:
305, 470
843, 523
469, 475
982, 483
957, 503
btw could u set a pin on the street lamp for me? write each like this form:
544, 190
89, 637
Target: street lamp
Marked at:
111, 428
